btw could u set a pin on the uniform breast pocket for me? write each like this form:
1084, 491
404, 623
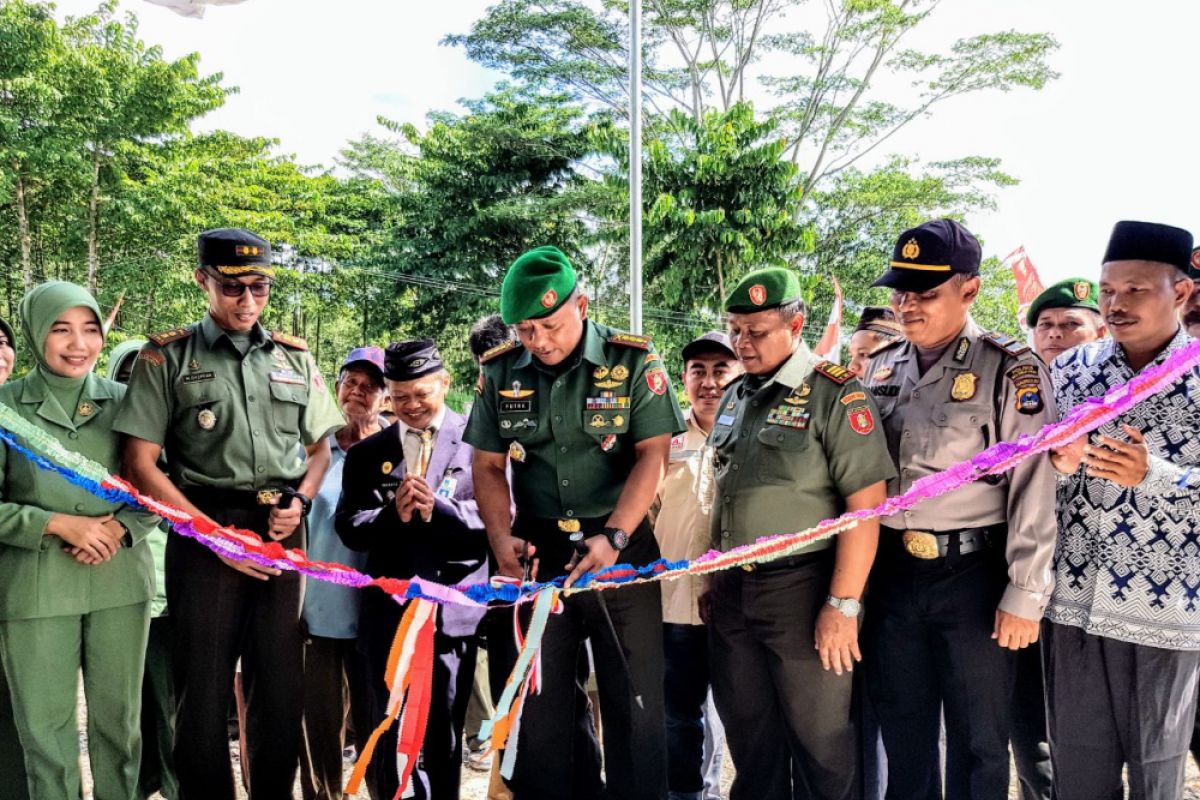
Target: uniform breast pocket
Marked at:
288, 402
963, 427
206, 408
518, 418
781, 453
600, 423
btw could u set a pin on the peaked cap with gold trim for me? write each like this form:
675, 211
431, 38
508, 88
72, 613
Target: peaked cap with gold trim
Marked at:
928, 255
235, 252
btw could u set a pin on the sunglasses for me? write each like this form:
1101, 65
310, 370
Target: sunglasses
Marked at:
237, 288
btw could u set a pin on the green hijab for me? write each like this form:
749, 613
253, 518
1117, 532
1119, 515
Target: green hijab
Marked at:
40, 307
123, 352
8, 331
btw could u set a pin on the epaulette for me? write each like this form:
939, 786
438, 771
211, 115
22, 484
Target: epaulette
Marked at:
1009, 344
631, 340
888, 345
835, 372
499, 350
176, 335
287, 340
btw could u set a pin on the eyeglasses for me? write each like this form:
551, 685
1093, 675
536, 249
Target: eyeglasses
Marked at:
237, 288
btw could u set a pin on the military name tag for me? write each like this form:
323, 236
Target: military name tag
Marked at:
725, 419
516, 406
885, 391
199, 377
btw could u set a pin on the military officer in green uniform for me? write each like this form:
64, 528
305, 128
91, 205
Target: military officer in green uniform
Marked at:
583, 415
795, 442
242, 417
12, 758
961, 580
76, 576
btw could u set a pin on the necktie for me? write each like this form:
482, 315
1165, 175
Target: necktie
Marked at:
426, 451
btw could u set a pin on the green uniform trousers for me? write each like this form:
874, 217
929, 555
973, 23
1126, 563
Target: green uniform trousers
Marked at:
42, 658
12, 757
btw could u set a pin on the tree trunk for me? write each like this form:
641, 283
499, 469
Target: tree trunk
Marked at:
720, 280
93, 256
23, 234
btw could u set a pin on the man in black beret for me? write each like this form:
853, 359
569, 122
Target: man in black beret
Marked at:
408, 500
1122, 637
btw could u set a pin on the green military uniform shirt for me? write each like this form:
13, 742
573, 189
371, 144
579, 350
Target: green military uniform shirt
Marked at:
226, 420
38, 579
570, 433
789, 452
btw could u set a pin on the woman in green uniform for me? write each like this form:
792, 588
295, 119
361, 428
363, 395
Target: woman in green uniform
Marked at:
12, 759
76, 576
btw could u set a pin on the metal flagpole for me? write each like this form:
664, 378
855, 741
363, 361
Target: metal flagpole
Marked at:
635, 165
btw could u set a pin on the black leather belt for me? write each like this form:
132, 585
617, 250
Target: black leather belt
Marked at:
789, 562
930, 545
236, 498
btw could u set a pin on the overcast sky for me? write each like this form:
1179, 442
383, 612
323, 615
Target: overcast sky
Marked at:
1113, 138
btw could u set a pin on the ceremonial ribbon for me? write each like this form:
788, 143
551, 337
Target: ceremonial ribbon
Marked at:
412, 651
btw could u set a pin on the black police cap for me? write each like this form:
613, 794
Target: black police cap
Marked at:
930, 254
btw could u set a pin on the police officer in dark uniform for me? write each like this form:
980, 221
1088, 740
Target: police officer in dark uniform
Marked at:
242, 416
584, 416
961, 580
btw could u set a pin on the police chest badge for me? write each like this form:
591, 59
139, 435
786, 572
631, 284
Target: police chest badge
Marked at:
206, 419
963, 387
861, 420
516, 451
882, 374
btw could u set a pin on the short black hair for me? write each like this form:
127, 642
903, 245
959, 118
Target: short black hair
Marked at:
487, 333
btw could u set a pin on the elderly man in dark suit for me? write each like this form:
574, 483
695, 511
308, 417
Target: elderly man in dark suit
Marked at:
409, 502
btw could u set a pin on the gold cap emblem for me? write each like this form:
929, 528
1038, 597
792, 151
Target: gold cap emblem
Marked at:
911, 249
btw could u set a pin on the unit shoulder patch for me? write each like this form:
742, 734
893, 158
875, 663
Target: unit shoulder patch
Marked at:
835, 372
287, 340
1002, 341
176, 335
499, 350
631, 340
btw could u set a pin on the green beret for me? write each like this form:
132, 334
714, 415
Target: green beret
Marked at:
536, 285
1071, 293
763, 289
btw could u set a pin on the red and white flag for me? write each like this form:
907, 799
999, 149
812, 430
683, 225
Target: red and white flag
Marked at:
830, 346
1029, 284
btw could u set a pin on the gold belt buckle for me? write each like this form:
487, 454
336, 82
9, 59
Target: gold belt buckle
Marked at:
569, 525
269, 497
920, 544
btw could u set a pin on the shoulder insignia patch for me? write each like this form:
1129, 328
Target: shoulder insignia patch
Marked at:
176, 335
631, 340
499, 350
287, 340
1002, 341
835, 372
883, 348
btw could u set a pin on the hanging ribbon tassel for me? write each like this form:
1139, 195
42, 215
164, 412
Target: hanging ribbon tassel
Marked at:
501, 729
409, 676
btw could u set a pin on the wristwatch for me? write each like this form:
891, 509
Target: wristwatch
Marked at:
618, 538
846, 606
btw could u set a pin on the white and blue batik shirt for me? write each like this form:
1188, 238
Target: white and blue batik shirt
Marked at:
1127, 564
